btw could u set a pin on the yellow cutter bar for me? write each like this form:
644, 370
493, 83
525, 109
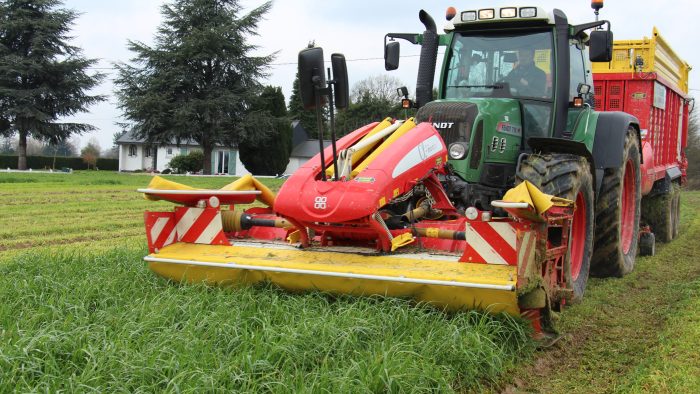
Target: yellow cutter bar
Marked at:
439, 280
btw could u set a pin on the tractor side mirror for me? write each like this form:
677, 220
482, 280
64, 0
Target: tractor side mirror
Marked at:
310, 75
392, 50
341, 93
601, 46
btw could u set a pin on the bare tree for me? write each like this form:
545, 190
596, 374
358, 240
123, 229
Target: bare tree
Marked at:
382, 87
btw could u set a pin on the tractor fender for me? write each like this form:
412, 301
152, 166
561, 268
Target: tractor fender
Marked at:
563, 145
609, 141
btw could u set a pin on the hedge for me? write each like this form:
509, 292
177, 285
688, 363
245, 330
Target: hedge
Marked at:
43, 162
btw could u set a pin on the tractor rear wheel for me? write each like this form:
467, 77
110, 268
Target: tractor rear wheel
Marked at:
618, 209
567, 176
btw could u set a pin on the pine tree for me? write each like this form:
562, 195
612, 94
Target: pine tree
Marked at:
42, 77
271, 155
199, 79
307, 118
64, 148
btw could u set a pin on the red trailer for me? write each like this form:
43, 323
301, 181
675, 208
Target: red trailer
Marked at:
647, 79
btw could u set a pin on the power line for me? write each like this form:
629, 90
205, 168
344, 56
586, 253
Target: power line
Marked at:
285, 63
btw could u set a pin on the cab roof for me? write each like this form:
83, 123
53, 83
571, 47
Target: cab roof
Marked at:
498, 15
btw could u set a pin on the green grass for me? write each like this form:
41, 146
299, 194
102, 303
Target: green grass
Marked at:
75, 320
81, 312
675, 367
80, 208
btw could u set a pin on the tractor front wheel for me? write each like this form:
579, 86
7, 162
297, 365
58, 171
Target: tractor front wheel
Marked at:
567, 176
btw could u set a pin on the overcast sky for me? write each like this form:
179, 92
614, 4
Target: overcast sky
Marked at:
355, 28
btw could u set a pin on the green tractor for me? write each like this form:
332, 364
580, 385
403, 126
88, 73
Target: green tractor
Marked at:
515, 103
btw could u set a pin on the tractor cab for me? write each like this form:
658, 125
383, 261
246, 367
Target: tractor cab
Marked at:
511, 78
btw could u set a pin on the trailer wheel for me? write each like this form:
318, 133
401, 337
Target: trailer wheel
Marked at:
618, 209
657, 211
567, 176
647, 244
676, 211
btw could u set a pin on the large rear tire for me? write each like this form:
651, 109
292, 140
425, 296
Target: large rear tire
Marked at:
567, 176
618, 209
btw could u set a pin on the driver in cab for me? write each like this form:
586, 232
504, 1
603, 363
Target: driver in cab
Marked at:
526, 77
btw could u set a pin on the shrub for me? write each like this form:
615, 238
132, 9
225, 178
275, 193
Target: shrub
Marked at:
191, 162
43, 162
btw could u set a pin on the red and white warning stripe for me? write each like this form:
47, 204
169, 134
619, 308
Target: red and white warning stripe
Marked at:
160, 229
526, 252
491, 243
200, 226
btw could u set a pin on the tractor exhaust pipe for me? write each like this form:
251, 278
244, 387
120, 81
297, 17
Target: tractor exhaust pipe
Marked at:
428, 59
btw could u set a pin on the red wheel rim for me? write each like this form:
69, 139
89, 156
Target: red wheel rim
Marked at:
578, 235
627, 207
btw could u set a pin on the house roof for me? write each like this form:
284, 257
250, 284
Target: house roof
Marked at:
299, 134
308, 148
130, 138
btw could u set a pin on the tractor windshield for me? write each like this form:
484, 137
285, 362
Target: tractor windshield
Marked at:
511, 64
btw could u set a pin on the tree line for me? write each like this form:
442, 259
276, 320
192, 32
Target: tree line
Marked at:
199, 81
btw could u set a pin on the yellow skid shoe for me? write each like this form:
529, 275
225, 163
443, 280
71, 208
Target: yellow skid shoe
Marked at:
439, 280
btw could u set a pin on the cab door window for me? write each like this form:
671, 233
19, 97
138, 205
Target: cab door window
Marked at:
577, 68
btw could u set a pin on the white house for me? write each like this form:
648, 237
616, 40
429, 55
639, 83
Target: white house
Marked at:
136, 155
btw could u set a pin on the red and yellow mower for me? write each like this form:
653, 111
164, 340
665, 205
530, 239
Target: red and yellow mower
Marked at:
386, 227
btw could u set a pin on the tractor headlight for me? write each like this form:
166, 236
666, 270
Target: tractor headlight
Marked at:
487, 13
468, 16
458, 150
510, 12
528, 12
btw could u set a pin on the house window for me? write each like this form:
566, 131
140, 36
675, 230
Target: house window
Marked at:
132, 150
170, 151
148, 151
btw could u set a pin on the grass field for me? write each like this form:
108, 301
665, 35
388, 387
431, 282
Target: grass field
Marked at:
638, 334
80, 311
